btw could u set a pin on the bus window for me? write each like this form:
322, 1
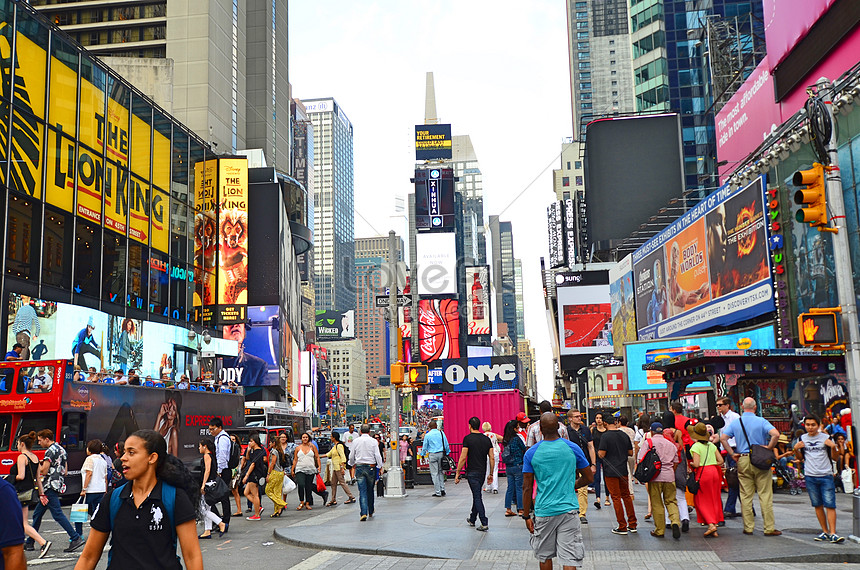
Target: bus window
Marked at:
36, 423
7, 376
74, 435
5, 431
36, 380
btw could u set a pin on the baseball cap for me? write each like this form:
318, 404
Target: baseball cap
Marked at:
657, 427
522, 417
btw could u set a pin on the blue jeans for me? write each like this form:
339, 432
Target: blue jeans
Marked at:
56, 512
822, 491
365, 475
476, 481
514, 494
92, 500
733, 494
597, 474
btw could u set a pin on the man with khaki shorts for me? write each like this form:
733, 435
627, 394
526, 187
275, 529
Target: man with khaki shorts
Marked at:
555, 528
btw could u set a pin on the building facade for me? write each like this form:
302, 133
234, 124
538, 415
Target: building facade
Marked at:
504, 278
470, 185
334, 236
220, 67
347, 368
529, 376
370, 254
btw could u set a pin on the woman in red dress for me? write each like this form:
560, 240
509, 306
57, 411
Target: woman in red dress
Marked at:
707, 462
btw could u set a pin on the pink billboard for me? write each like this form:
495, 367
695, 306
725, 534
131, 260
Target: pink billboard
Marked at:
786, 22
749, 116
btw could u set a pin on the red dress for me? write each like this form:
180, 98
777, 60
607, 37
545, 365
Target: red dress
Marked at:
709, 505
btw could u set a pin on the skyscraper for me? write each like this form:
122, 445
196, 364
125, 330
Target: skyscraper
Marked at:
370, 254
470, 185
518, 296
334, 245
220, 67
504, 277
601, 79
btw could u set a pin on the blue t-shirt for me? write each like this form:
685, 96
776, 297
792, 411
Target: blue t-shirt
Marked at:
12, 520
554, 464
757, 428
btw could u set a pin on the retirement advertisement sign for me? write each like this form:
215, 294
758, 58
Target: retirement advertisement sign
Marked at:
710, 267
432, 142
116, 175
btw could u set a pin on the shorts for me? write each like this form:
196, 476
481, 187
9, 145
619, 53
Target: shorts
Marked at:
559, 536
822, 491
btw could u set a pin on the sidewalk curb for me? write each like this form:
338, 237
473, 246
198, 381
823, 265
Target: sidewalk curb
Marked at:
353, 550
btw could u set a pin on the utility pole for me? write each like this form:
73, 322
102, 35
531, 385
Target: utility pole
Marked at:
844, 279
394, 483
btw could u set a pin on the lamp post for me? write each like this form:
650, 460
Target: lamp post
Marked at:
207, 338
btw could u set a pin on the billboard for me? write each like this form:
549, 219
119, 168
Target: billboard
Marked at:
555, 229
432, 142
434, 199
709, 268
623, 306
256, 363
636, 354
436, 260
430, 404
584, 312
475, 373
335, 325
438, 329
232, 240
478, 304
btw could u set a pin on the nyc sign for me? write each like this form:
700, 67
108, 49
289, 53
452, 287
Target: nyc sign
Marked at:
475, 374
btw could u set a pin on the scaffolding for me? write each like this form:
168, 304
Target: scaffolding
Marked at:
735, 48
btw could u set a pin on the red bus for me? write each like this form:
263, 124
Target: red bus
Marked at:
36, 395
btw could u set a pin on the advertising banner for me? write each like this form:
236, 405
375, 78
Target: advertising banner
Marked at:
335, 325
259, 351
606, 381
432, 142
438, 329
434, 199
475, 373
710, 267
623, 307
478, 285
786, 22
232, 240
584, 319
637, 354
436, 260
556, 230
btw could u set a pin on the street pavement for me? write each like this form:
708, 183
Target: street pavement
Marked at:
425, 532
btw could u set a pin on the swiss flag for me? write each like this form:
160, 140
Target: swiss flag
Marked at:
615, 382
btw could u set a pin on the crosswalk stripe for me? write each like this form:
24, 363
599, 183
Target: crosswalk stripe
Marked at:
316, 560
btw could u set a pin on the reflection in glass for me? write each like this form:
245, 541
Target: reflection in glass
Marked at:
57, 249
88, 246
21, 256
114, 260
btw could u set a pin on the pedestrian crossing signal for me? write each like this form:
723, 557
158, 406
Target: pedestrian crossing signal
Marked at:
818, 329
418, 374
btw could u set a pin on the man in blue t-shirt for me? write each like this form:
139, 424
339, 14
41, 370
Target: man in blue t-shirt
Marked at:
555, 529
11, 529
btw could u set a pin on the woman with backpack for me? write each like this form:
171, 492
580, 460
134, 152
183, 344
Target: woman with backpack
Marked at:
279, 462
512, 454
255, 470
95, 484
157, 507
337, 456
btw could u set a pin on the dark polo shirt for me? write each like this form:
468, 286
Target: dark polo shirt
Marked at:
141, 536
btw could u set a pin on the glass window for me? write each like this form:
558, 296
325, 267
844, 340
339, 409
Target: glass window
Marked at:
93, 130
7, 378
179, 276
565, 181
115, 255
35, 380
161, 152
180, 231
57, 249
26, 166
74, 431
196, 154
179, 169
35, 422
88, 247
5, 429
138, 274
159, 283
141, 137
578, 164
62, 105
22, 258
32, 66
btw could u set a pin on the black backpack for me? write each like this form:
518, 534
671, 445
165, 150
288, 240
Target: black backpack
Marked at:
649, 466
235, 452
345, 450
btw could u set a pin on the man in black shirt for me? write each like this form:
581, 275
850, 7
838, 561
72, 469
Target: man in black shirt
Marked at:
615, 448
476, 449
581, 436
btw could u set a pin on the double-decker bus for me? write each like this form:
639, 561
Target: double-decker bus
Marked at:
37, 395
265, 414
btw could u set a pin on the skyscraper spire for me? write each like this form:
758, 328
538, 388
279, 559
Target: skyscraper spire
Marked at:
430, 117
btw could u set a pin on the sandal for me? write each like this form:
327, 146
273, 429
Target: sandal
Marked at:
349, 502
648, 517
239, 514
308, 508
331, 504
300, 507
510, 514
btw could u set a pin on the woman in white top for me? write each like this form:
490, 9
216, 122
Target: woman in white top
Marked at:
94, 473
306, 464
494, 438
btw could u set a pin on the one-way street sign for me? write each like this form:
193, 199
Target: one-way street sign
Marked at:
402, 300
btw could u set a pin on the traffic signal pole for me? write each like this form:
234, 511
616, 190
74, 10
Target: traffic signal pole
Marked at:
844, 279
394, 483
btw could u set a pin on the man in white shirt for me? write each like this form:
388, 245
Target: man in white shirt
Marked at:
724, 408
535, 434
347, 439
223, 447
365, 458
41, 382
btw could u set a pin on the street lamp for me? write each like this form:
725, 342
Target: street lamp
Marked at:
207, 338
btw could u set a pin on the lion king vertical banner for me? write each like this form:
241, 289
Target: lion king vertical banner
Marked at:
232, 297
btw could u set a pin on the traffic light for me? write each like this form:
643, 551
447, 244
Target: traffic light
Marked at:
370, 402
814, 196
418, 374
397, 371
818, 329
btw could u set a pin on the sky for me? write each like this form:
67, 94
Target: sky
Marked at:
502, 77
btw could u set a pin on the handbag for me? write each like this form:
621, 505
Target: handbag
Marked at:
320, 483
681, 472
761, 456
80, 512
732, 480
693, 478
27, 497
447, 463
289, 485
216, 490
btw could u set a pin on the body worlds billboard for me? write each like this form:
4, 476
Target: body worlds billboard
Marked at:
710, 267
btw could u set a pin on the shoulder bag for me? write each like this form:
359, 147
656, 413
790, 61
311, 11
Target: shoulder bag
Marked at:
761, 456
693, 478
447, 463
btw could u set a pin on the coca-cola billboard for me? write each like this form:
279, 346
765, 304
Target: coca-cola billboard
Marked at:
438, 329
478, 300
